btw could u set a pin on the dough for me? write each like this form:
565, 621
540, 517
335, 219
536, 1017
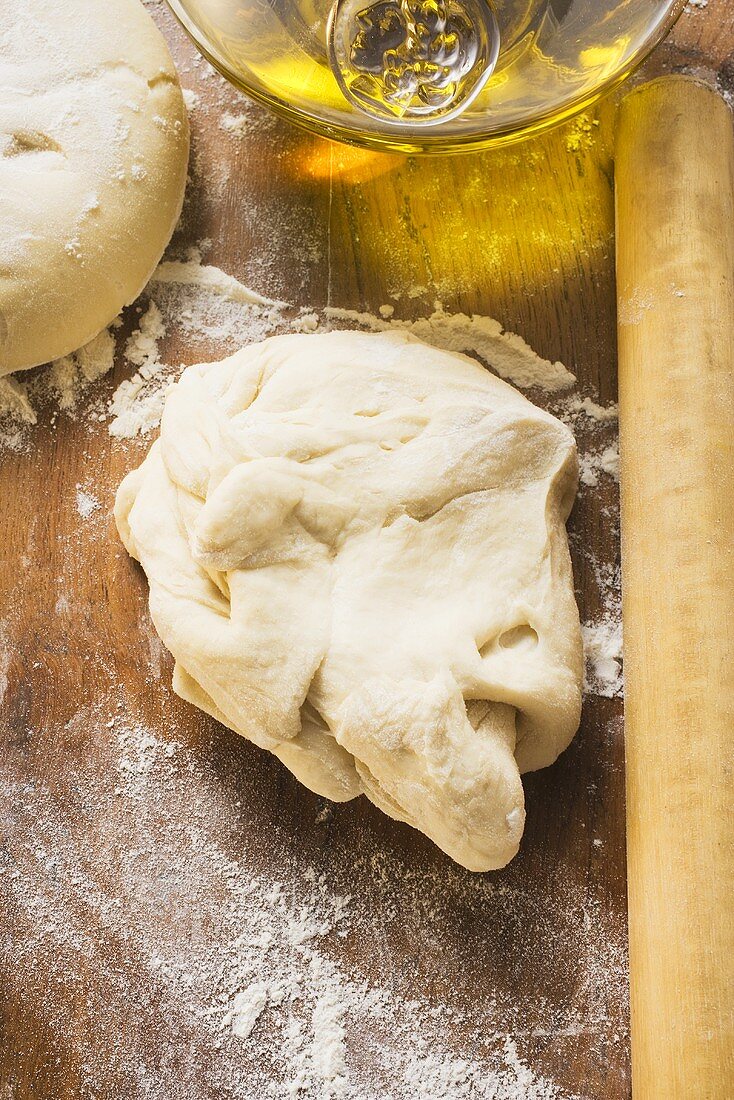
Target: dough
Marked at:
356, 552
93, 160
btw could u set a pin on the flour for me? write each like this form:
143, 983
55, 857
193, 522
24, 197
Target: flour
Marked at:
205, 303
505, 352
139, 752
580, 133
191, 99
69, 378
61, 384
235, 124
250, 120
441, 1079
247, 1008
5, 662
632, 308
14, 400
271, 961
136, 406
603, 650
141, 348
86, 503
594, 463
574, 405
200, 300
205, 310
211, 279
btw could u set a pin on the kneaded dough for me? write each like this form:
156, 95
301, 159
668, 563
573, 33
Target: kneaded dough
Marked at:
356, 552
93, 160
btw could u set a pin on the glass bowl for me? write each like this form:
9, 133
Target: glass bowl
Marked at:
543, 61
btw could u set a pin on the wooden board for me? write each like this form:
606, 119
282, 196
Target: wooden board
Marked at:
127, 816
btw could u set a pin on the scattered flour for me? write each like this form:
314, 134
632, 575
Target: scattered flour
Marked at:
581, 133
207, 303
139, 752
6, 658
235, 124
505, 352
574, 405
603, 650
86, 503
269, 959
136, 405
70, 377
247, 1007
250, 120
191, 99
201, 300
209, 279
141, 348
632, 309
62, 383
592, 464
14, 400
206, 298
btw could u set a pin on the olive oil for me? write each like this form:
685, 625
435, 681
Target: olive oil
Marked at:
425, 75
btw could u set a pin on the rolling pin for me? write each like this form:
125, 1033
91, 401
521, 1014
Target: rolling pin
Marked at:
674, 185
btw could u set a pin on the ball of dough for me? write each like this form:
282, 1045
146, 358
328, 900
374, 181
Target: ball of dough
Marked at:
356, 552
93, 160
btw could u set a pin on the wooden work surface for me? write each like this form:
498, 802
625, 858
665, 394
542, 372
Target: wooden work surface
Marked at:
126, 815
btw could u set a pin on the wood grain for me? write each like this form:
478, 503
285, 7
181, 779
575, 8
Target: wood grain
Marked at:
675, 268
525, 235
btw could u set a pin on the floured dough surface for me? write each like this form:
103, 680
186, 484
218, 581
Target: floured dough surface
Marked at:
93, 160
356, 552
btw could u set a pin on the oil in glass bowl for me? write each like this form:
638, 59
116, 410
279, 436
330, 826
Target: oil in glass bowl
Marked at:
426, 75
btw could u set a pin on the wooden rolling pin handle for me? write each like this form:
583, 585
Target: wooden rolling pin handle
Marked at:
675, 270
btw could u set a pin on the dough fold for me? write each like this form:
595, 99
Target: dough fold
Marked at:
356, 552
